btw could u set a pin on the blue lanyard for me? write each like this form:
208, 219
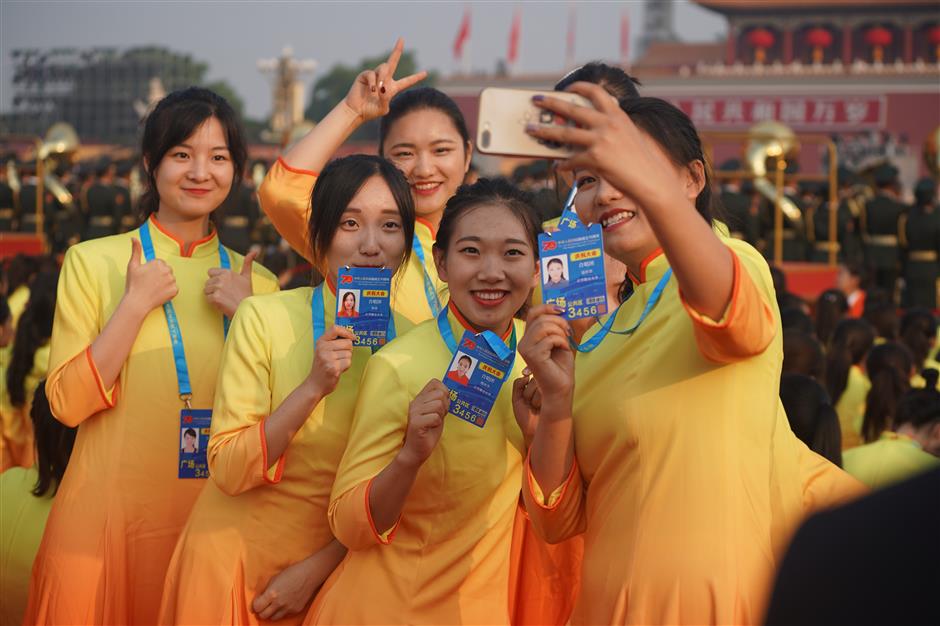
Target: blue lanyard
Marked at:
596, 340
430, 292
504, 352
318, 314
172, 323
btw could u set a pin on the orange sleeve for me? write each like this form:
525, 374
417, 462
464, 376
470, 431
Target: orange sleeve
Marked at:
285, 198
238, 451
351, 519
561, 514
745, 330
74, 386
824, 484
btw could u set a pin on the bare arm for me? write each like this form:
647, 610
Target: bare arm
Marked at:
616, 149
368, 99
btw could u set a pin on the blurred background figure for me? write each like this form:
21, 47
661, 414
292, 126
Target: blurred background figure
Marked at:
811, 416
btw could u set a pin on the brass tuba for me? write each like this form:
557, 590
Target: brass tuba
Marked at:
770, 139
59, 144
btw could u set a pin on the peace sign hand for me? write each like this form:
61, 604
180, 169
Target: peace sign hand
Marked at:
373, 90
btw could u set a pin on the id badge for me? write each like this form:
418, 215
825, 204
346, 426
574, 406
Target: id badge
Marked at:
362, 304
193, 441
573, 277
474, 378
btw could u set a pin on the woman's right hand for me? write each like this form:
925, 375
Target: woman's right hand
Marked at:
332, 355
425, 423
373, 90
148, 285
547, 352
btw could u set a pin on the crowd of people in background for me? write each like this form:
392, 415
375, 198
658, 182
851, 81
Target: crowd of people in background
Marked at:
859, 381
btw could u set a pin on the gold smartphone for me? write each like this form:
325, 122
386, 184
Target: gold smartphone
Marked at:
504, 114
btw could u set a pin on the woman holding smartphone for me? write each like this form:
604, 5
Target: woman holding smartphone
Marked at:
664, 442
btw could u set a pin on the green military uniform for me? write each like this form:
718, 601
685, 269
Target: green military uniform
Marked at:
794, 234
817, 221
103, 216
922, 234
7, 211
880, 228
128, 219
240, 213
26, 217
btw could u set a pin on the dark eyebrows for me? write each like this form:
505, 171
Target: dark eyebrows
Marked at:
405, 144
189, 147
352, 209
518, 242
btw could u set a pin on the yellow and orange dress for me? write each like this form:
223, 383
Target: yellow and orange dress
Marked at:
447, 559
851, 407
258, 515
16, 439
285, 198
120, 507
890, 459
688, 481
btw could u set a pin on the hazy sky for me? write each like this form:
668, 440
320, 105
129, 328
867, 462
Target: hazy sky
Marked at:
232, 35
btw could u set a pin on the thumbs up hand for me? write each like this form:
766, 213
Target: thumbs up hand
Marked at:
148, 285
225, 289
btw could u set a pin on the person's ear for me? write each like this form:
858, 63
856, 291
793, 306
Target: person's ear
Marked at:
440, 262
468, 156
695, 179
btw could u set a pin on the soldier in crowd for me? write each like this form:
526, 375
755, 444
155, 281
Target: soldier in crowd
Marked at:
922, 234
66, 223
239, 214
26, 211
817, 225
742, 223
103, 216
122, 196
880, 228
794, 229
7, 200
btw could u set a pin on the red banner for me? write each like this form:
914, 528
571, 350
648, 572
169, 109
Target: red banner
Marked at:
807, 113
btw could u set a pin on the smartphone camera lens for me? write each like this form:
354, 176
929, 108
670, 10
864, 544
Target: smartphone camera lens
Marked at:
546, 117
485, 138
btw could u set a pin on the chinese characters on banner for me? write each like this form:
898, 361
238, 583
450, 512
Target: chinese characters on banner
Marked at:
808, 113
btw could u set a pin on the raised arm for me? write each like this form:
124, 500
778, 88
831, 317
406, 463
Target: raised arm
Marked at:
285, 193
613, 147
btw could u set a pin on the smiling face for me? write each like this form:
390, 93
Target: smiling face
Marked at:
628, 235
426, 146
194, 177
369, 232
489, 265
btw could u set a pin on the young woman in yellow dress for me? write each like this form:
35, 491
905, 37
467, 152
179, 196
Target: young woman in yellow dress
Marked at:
425, 501
137, 338
288, 384
423, 133
665, 442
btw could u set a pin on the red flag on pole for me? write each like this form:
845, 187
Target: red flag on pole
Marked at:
569, 43
462, 34
624, 36
514, 38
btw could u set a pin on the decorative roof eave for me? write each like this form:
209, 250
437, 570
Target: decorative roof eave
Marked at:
778, 7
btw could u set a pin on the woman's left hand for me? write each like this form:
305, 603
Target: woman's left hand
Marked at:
607, 142
225, 289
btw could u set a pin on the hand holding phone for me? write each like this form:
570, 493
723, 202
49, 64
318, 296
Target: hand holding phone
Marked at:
504, 115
